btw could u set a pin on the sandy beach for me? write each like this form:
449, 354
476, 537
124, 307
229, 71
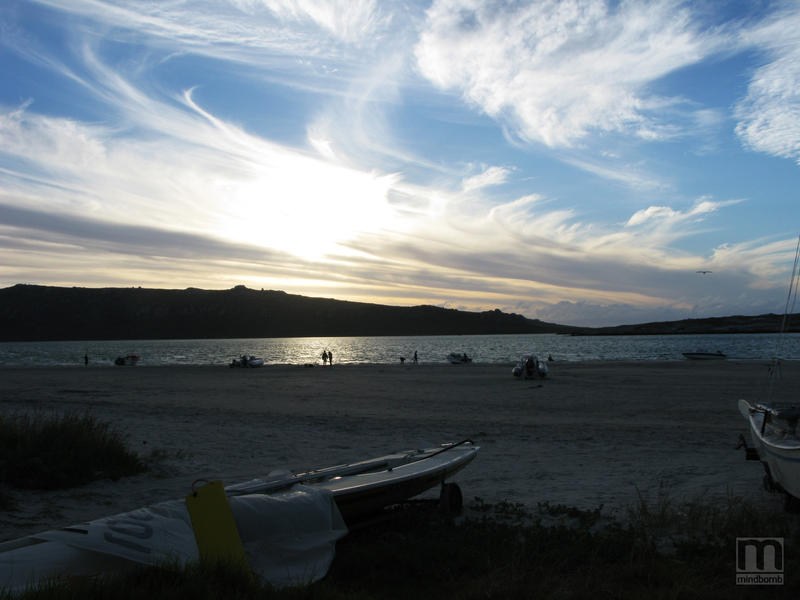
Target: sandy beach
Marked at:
592, 433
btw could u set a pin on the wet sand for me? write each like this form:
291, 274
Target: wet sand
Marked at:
592, 433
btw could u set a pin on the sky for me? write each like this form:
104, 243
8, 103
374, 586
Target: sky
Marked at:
574, 161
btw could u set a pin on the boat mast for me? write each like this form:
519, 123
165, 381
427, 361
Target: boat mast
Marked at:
791, 301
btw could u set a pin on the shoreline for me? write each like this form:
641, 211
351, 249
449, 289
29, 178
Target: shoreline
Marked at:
110, 366
593, 433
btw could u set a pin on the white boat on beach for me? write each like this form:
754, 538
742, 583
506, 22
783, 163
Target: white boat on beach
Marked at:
530, 367
458, 359
776, 443
284, 527
773, 427
365, 487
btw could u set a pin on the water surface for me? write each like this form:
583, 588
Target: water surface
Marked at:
492, 349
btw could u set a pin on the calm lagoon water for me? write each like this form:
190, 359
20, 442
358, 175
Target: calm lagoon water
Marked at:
493, 349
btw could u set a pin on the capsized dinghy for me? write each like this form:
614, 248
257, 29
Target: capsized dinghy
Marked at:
285, 526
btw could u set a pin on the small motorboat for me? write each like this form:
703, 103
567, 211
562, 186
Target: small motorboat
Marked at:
247, 361
700, 355
284, 527
457, 359
129, 360
530, 367
776, 443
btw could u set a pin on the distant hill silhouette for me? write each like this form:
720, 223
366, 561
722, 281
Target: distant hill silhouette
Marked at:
41, 313
33, 312
768, 323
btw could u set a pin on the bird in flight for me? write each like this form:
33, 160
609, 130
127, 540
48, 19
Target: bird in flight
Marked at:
704, 272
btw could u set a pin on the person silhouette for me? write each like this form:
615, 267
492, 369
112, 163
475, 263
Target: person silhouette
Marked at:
330, 358
324, 357
415, 357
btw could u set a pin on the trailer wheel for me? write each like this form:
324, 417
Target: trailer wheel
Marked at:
451, 500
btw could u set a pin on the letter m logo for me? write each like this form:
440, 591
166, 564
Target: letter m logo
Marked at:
759, 555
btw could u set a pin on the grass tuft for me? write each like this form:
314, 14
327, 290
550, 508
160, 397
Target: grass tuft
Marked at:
61, 451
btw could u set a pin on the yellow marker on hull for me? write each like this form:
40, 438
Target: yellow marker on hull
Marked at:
214, 526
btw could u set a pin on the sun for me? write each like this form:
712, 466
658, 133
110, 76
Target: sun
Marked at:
308, 212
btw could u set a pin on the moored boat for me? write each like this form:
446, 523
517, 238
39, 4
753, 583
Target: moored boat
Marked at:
128, 360
247, 361
700, 355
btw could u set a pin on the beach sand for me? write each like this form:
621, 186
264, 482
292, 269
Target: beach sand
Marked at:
593, 433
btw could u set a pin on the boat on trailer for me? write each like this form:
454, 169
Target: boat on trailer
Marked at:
530, 367
776, 443
363, 488
773, 426
283, 527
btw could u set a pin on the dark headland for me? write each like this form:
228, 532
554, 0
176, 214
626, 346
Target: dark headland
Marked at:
43, 313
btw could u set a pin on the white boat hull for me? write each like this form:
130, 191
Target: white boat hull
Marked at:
365, 487
288, 523
780, 453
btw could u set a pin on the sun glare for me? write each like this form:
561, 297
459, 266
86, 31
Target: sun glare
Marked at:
306, 213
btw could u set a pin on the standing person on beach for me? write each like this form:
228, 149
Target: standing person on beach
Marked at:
415, 357
86, 359
330, 358
324, 357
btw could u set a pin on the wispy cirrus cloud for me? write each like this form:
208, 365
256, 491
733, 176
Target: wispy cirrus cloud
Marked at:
769, 115
490, 176
257, 32
664, 215
556, 70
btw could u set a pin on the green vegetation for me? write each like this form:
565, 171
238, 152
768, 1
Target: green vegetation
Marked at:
662, 549
60, 451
